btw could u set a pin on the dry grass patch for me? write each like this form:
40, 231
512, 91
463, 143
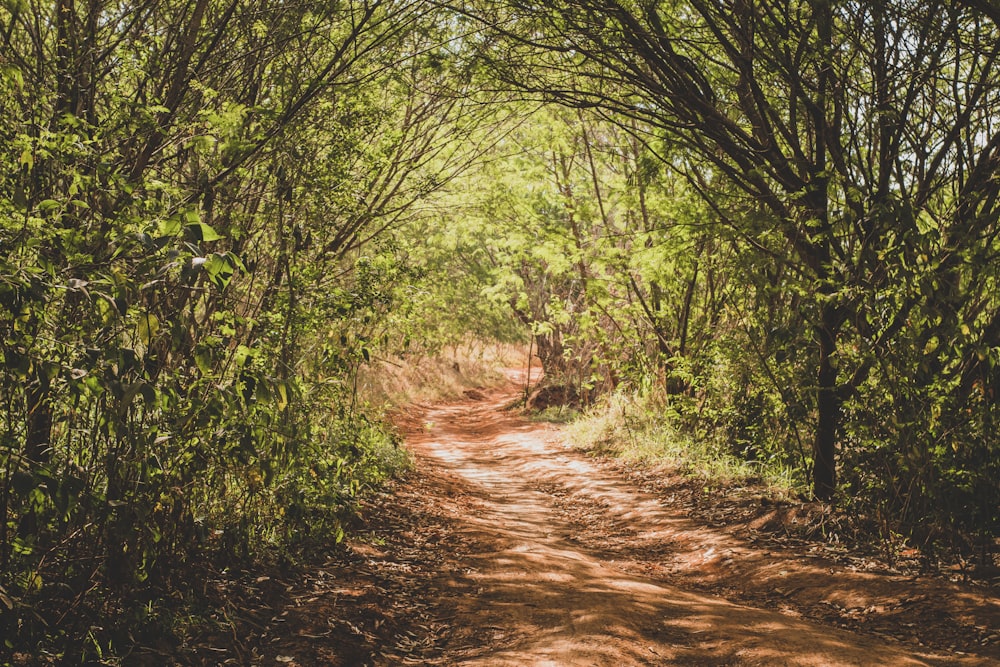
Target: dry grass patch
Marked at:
387, 384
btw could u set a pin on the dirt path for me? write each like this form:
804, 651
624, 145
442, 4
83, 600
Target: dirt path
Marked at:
505, 548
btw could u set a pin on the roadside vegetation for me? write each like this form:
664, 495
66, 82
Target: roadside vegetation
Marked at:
642, 430
232, 233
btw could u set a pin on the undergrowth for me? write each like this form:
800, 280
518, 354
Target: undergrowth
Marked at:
556, 414
654, 432
84, 606
650, 431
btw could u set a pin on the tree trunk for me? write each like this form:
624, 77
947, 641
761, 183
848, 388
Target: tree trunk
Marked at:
36, 448
828, 402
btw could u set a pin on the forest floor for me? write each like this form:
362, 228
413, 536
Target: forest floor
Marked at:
505, 547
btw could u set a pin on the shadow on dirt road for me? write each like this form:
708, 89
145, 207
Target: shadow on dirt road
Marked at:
534, 593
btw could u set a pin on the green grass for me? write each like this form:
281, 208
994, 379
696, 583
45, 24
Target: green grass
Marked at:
643, 431
556, 414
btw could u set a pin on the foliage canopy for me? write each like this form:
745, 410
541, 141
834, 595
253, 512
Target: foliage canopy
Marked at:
778, 217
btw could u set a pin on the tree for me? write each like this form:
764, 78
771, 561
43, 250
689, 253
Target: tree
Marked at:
194, 197
863, 130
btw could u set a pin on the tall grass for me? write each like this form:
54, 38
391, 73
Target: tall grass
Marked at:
388, 384
649, 430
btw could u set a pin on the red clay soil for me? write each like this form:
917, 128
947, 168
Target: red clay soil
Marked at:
504, 547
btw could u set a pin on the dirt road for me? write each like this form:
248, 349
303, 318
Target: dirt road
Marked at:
506, 548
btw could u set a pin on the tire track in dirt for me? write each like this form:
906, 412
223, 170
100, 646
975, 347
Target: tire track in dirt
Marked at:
538, 592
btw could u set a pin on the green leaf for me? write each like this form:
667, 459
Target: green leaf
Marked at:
236, 262
931, 345
30, 582
148, 327
263, 392
242, 354
171, 226
10, 72
21, 547
203, 143
219, 269
203, 359
203, 232
27, 159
